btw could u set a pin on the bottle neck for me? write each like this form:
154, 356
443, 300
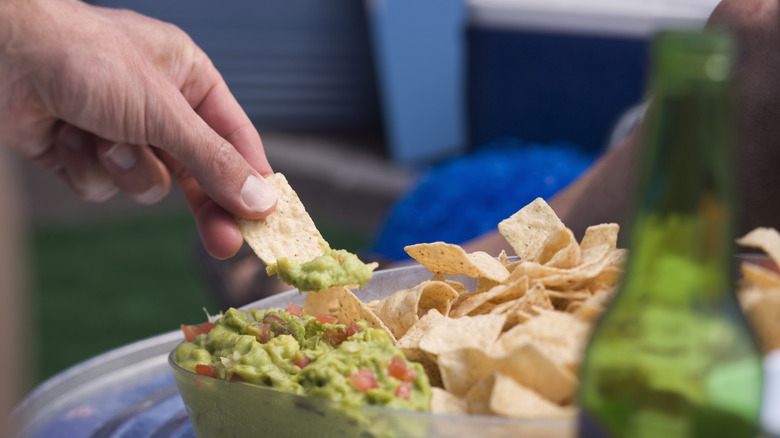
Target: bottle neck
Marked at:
683, 224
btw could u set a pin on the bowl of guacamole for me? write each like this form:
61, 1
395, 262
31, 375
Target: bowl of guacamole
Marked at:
248, 368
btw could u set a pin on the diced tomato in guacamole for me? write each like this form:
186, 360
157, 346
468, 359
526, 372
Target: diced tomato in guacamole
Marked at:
190, 331
306, 355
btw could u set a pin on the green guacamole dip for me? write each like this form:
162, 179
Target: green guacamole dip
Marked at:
353, 364
334, 268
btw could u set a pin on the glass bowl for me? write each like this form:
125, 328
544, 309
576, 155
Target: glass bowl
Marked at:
218, 408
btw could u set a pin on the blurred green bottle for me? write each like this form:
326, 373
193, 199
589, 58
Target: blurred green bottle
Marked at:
673, 356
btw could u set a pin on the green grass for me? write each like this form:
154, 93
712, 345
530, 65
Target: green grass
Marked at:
100, 286
103, 285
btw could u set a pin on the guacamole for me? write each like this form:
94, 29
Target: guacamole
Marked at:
334, 268
316, 357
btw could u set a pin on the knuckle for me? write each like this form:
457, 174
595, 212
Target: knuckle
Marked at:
225, 162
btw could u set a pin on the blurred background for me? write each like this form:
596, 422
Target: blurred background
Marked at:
396, 121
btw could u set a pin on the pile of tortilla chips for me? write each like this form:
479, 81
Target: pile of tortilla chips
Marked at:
512, 345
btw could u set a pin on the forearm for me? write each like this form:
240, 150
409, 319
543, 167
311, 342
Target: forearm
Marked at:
601, 194
22, 22
36, 33
11, 17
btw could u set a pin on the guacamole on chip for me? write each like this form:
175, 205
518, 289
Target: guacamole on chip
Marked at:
335, 267
290, 245
289, 351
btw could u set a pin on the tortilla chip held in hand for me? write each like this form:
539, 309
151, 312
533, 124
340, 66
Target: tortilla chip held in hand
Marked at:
290, 245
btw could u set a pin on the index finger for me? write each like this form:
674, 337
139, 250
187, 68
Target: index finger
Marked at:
219, 168
222, 112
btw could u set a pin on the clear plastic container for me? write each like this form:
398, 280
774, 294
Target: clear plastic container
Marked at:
218, 408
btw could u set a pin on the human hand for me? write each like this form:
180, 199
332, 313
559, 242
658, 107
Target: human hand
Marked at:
111, 101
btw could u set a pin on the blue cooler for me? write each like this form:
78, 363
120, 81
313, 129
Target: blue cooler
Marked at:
562, 70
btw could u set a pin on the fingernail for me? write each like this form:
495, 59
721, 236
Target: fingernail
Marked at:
257, 194
70, 137
122, 155
98, 189
154, 194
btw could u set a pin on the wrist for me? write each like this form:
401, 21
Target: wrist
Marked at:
17, 20
29, 26
9, 14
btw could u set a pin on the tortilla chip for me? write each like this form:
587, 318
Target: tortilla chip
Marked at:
484, 309
593, 262
428, 363
288, 232
562, 299
526, 230
352, 309
608, 278
497, 295
535, 298
458, 286
485, 284
532, 367
461, 369
560, 335
602, 234
409, 344
411, 339
503, 308
324, 302
766, 239
404, 308
602, 255
592, 308
513, 400
450, 259
447, 333
503, 258
559, 250
443, 402
478, 396
512, 265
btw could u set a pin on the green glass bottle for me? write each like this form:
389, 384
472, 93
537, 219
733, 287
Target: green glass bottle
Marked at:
673, 355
